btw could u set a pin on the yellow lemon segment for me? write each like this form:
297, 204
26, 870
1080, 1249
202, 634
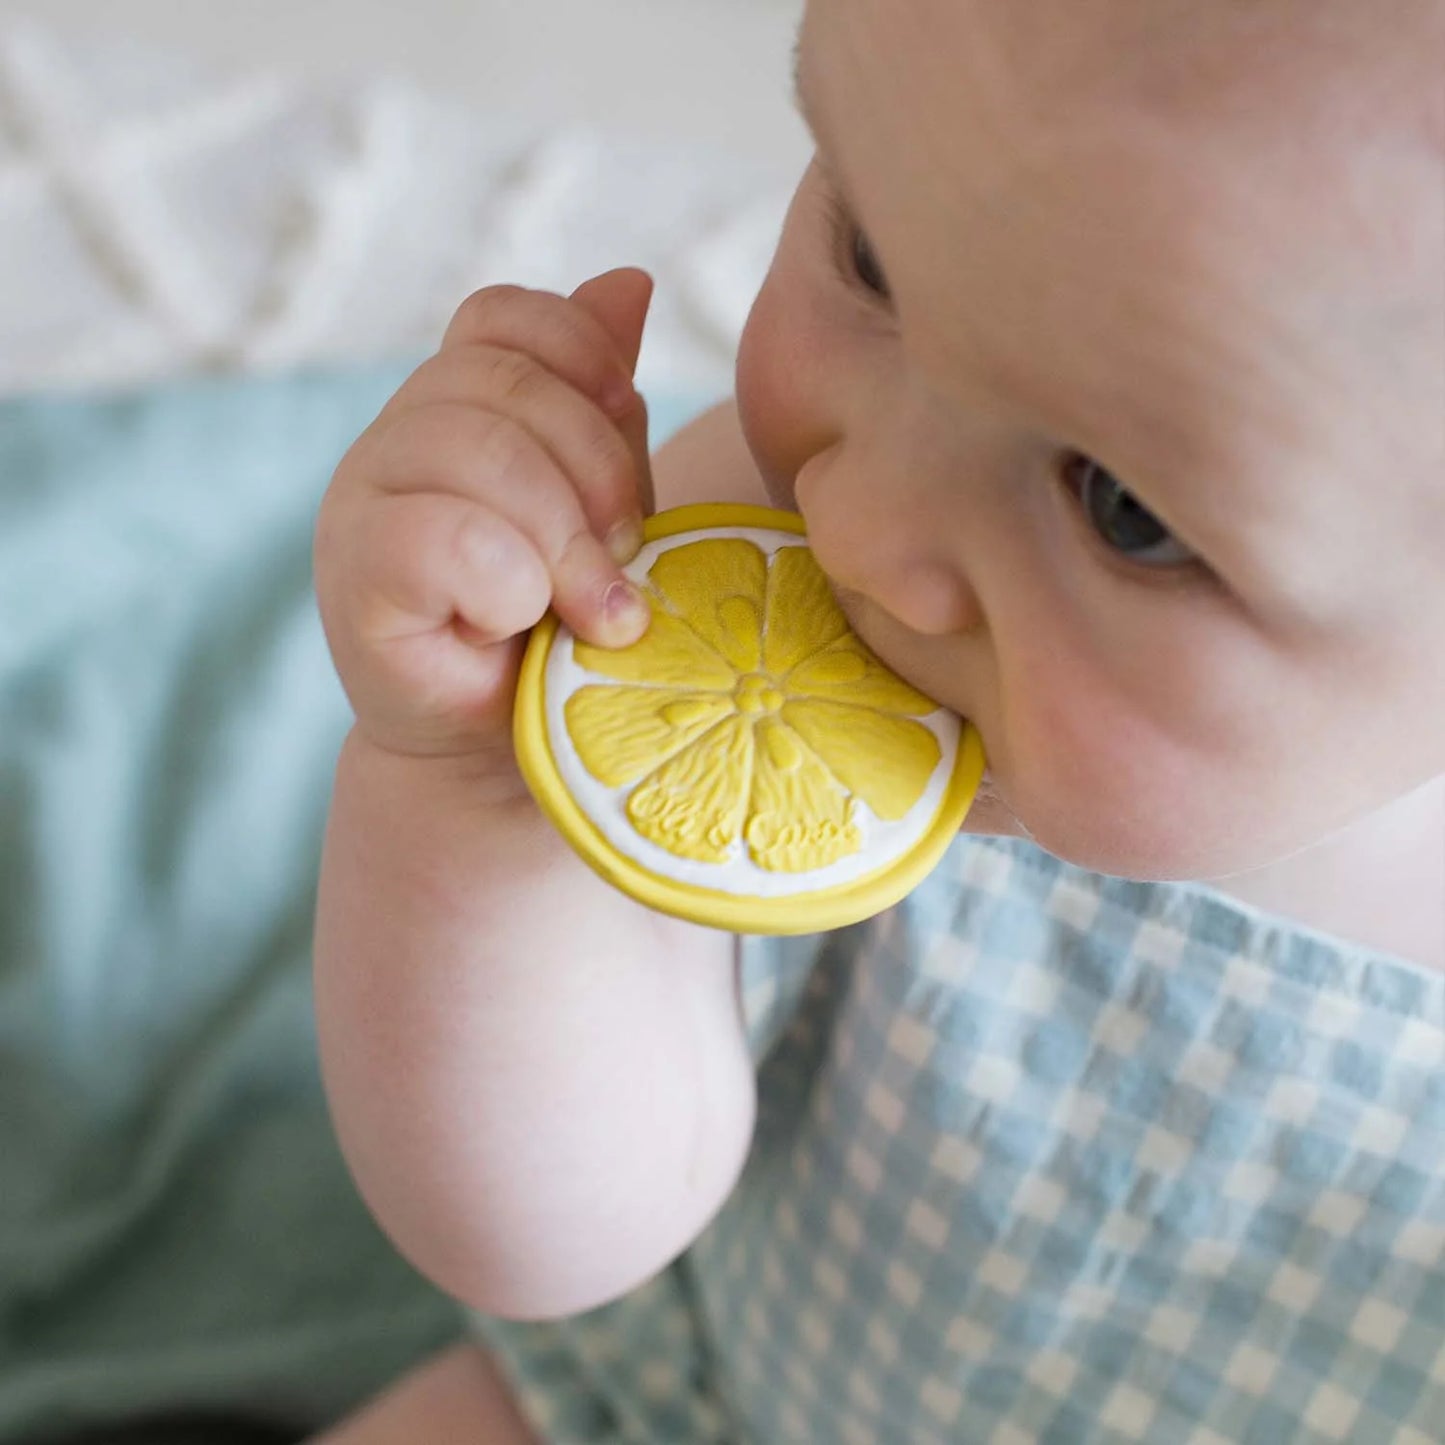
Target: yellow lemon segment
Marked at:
670, 652
748, 763
884, 759
801, 817
718, 588
695, 804
622, 733
803, 618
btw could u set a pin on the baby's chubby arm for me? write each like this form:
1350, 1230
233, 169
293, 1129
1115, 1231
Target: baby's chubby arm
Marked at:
542, 1088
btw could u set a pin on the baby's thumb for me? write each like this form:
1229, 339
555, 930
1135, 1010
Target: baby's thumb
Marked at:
619, 300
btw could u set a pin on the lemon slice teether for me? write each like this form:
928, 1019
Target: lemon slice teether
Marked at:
748, 764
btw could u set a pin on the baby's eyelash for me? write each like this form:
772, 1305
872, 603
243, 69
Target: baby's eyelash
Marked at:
847, 238
840, 229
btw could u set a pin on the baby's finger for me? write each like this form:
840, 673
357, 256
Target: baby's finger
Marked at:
496, 463
635, 433
619, 301
566, 338
594, 451
398, 581
425, 560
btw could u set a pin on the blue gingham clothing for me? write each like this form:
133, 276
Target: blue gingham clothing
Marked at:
1047, 1158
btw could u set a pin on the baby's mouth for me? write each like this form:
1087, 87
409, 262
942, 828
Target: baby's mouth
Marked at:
989, 813
864, 616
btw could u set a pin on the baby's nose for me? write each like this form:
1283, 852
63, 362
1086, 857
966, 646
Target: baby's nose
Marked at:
894, 564
930, 598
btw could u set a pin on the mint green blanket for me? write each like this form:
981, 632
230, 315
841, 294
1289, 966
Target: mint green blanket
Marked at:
177, 1232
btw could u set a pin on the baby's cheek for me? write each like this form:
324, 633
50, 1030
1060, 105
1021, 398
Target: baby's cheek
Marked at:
1107, 788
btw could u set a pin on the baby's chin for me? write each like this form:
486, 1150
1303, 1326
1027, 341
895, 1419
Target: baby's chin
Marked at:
1154, 853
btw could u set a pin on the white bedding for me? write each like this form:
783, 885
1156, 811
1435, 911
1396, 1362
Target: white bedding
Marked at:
155, 218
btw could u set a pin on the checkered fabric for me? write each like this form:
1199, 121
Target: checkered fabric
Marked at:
1046, 1158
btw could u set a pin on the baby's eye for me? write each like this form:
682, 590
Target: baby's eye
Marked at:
853, 252
1120, 519
865, 264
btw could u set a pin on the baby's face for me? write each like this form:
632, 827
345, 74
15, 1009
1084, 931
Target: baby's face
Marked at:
1107, 368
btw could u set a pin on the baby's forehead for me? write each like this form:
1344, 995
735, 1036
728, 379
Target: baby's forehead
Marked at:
1332, 114
1322, 121
1325, 71
1388, 52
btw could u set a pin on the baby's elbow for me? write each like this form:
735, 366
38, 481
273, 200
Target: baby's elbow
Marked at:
612, 1239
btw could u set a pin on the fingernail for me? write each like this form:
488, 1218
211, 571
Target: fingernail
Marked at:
625, 540
626, 610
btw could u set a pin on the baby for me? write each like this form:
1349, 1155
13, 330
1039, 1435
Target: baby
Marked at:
1104, 357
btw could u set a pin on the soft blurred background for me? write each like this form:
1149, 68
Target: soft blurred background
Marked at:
270, 182
226, 231
699, 70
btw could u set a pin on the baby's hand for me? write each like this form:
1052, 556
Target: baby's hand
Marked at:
508, 474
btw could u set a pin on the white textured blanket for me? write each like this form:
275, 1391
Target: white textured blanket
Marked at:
154, 221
